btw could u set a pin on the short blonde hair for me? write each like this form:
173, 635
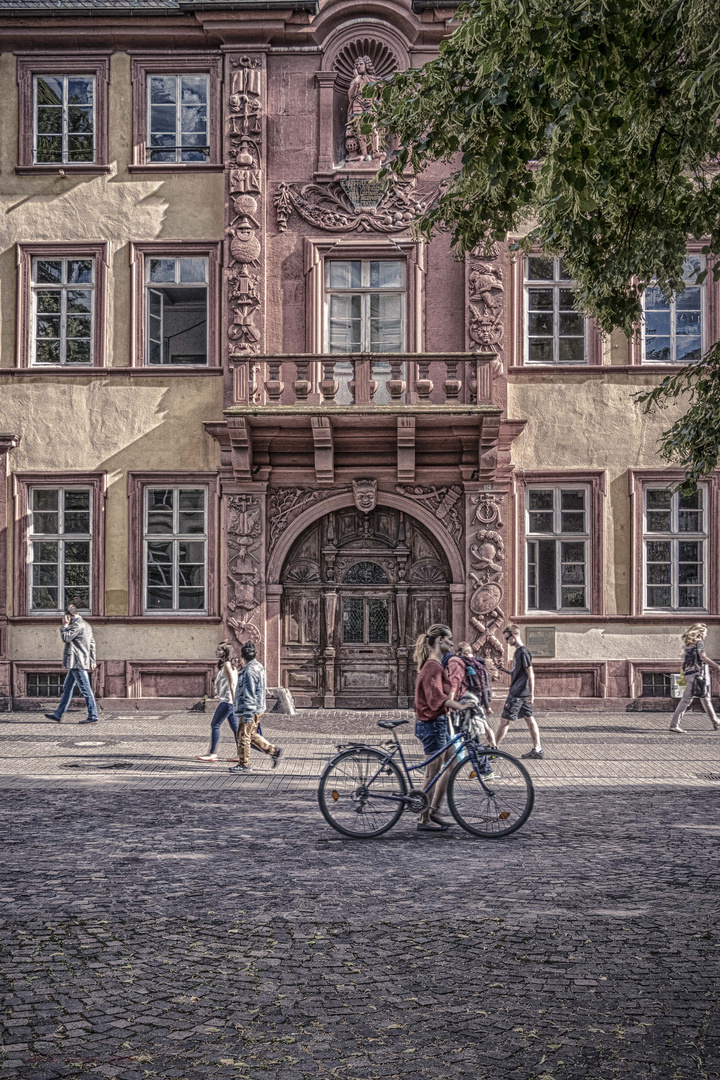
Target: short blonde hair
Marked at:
694, 634
464, 647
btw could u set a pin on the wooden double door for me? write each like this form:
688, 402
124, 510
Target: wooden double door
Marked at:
357, 591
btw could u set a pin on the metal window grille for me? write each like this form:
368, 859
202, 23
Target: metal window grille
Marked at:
673, 328
44, 684
63, 310
555, 333
558, 534
175, 550
178, 127
675, 549
64, 119
60, 549
366, 620
656, 684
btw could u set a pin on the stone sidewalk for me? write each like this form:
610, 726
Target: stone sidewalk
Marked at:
169, 920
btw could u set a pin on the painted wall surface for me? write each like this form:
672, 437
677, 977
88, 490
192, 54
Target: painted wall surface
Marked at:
117, 642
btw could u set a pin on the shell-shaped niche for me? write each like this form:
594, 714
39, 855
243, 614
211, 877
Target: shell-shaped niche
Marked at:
385, 62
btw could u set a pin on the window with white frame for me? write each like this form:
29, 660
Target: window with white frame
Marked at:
63, 302
365, 305
60, 548
178, 119
175, 549
558, 535
554, 331
176, 310
672, 328
675, 547
64, 119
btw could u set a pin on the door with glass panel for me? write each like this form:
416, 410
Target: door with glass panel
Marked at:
366, 672
365, 312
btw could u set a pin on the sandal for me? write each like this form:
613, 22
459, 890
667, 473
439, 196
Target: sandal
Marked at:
432, 828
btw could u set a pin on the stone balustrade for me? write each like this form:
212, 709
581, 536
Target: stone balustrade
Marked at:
365, 379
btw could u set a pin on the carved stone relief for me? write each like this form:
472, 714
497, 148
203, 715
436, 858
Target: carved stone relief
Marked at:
328, 207
486, 304
287, 503
486, 573
245, 586
365, 495
245, 212
444, 502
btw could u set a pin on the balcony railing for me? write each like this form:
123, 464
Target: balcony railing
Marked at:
364, 379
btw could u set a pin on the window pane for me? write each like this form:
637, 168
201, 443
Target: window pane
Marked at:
192, 551
77, 574
194, 89
353, 620
571, 351
657, 322
163, 118
48, 271
45, 574
191, 575
688, 350
80, 120
192, 499
45, 523
658, 550
49, 89
658, 499
572, 522
76, 551
159, 599
345, 324
47, 326
344, 275
572, 322
378, 621
48, 301
690, 596
77, 523
657, 350
385, 323
191, 599
540, 351
45, 499
79, 271
540, 300
547, 585
193, 269
49, 149
572, 500
386, 273
191, 523
193, 118
573, 598
163, 89
540, 268
80, 597
572, 552
540, 322
44, 599
44, 552
540, 500
80, 148
80, 89
78, 301
162, 270
689, 521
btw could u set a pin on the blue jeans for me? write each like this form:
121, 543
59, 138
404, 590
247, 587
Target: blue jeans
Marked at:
224, 711
77, 677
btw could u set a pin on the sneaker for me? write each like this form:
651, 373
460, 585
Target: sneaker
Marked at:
208, 757
52, 716
535, 754
241, 768
89, 720
487, 775
276, 756
679, 730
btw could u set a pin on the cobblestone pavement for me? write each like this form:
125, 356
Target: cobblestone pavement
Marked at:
167, 919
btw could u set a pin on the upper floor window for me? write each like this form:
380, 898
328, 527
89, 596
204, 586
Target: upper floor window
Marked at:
555, 333
175, 550
178, 120
60, 542
673, 330
64, 119
176, 310
558, 534
63, 301
675, 542
365, 306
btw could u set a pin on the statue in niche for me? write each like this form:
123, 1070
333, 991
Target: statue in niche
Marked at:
361, 147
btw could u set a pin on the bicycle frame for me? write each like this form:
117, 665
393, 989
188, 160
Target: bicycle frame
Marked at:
459, 741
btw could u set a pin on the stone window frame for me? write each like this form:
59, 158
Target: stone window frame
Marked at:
516, 326
559, 538
23, 482
316, 253
595, 480
196, 63
175, 249
22, 668
75, 63
637, 481
25, 253
137, 482
711, 318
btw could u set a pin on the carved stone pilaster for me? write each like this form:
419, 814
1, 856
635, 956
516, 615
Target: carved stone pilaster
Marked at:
487, 571
245, 169
486, 312
244, 606
7, 443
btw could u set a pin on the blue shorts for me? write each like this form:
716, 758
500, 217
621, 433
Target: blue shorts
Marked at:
433, 734
515, 707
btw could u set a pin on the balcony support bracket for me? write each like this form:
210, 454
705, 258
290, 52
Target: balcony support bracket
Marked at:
406, 449
322, 432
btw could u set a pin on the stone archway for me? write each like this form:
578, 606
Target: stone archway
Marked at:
357, 589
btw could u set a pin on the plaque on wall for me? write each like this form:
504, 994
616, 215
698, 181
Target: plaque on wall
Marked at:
540, 640
363, 194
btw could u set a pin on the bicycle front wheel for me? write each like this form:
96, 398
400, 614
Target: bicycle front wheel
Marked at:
490, 806
359, 795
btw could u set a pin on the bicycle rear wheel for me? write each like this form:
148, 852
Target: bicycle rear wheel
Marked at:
350, 790
490, 808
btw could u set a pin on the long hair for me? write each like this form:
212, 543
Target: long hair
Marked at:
227, 655
426, 642
694, 634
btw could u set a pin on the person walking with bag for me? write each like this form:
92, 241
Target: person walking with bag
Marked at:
225, 684
697, 681
249, 709
78, 660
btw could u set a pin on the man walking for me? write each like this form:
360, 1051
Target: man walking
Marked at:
521, 693
249, 709
78, 660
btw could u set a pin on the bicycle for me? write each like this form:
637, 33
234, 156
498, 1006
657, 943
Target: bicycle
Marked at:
362, 791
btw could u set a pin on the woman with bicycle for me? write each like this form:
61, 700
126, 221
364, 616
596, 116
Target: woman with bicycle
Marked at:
433, 698
697, 683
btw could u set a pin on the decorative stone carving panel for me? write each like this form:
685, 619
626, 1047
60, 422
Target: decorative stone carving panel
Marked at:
487, 570
486, 306
245, 568
444, 502
329, 207
285, 504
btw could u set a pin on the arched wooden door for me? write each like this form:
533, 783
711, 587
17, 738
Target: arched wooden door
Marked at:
357, 591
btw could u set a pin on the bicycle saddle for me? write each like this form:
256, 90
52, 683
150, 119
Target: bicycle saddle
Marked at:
391, 723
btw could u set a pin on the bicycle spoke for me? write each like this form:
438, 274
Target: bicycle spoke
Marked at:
349, 789
490, 807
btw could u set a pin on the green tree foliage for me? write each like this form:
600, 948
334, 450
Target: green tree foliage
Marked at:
591, 127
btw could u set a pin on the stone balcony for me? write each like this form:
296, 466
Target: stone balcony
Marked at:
307, 418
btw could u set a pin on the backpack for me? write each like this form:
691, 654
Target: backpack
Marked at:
477, 679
